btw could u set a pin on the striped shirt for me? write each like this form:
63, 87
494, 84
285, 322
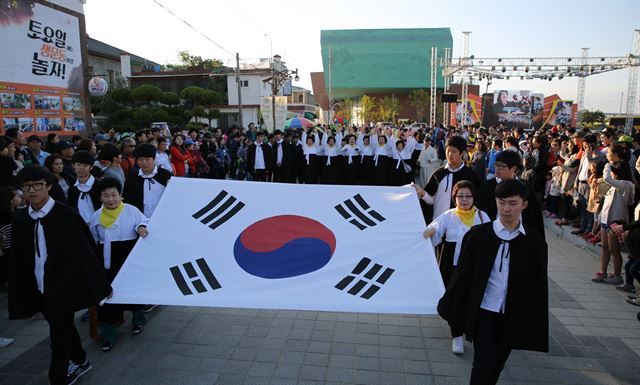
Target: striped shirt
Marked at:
5, 232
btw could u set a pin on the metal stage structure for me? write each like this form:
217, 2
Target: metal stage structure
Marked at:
470, 67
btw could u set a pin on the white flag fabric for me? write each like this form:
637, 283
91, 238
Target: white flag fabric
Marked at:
284, 246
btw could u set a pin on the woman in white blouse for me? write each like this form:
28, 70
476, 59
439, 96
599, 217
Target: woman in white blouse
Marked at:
116, 227
428, 162
453, 224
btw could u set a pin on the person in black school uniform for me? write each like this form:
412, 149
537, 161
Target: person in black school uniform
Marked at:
144, 189
258, 158
296, 174
351, 152
54, 269
366, 159
498, 294
116, 227
83, 195
435, 197
333, 166
506, 167
281, 158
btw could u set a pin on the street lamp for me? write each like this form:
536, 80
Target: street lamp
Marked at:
276, 80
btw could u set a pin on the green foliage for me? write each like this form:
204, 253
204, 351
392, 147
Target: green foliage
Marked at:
419, 99
345, 109
367, 109
121, 95
170, 98
187, 60
147, 94
142, 117
591, 117
192, 95
388, 108
159, 116
210, 97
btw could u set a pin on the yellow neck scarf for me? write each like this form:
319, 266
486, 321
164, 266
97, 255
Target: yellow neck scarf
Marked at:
467, 216
109, 216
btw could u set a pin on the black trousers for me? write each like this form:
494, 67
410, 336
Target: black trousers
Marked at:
260, 175
65, 346
489, 349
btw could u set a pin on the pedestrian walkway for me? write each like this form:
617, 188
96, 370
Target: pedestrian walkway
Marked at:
595, 339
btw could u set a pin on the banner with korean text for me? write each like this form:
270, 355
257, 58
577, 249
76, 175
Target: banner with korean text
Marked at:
41, 76
283, 246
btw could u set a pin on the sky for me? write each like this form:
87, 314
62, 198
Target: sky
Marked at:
500, 28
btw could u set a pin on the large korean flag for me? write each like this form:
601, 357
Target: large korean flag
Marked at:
284, 246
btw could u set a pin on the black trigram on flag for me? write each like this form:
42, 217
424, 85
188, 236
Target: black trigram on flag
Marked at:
220, 214
376, 271
361, 215
189, 273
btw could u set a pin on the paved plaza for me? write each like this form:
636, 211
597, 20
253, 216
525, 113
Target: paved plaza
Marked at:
595, 339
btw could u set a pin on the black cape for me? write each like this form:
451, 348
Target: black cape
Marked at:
133, 192
74, 278
73, 195
531, 216
526, 317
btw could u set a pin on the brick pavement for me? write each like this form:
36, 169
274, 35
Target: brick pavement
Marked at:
595, 339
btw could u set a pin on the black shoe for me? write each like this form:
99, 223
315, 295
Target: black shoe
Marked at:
136, 330
76, 371
106, 347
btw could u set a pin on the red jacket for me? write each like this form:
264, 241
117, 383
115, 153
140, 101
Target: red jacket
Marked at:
178, 158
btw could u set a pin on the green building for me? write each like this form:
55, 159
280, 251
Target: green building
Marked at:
380, 61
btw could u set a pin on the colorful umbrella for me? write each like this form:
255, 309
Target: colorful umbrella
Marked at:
298, 122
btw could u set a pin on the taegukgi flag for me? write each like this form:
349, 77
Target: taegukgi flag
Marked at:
284, 246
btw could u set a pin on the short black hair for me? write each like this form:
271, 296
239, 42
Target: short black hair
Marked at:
512, 187
145, 150
83, 157
108, 152
108, 182
510, 158
458, 142
12, 132
33, 173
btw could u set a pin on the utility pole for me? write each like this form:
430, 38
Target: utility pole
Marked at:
330, 113
239, 90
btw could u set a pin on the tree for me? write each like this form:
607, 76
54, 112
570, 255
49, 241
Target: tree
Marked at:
209, 98
345, 110
192, 95
419, 99
142, 117
367, 109
591, 117
170, 98
121, 95
187, 60
388, 109
211, 114
146, 94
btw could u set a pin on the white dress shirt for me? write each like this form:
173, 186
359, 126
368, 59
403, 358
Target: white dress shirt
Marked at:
495, 294
85, 204
39, 241
279, 153
259, 163
442, 200
152, 191
450, 226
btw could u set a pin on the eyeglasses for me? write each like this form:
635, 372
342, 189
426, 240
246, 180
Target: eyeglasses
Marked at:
464, 196
32, 186
500, 165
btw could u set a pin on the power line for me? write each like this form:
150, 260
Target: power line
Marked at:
193, 28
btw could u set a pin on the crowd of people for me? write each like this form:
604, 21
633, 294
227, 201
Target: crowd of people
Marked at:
465, 177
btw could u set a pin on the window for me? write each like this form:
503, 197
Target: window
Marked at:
244, 83
300, 98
